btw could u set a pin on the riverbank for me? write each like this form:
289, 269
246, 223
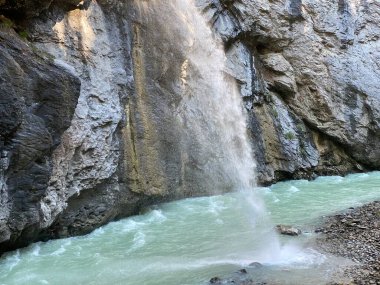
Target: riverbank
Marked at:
355, 234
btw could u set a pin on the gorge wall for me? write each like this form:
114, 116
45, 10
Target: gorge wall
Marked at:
92, 125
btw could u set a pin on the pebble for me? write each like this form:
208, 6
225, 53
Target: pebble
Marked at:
355, 235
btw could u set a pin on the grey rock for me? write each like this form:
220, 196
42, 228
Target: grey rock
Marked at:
283, 80
36, 106
255, 265
21, 9
215, 280
358, 243
288, 230
319, 58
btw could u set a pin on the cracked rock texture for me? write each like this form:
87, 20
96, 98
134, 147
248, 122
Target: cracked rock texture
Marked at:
316, 106
36, 106
308, 72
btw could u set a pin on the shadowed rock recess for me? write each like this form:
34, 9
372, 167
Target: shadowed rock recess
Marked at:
91, 127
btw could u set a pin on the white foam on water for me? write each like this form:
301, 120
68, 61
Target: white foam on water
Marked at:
128, 225
98, 232
216, 206
296, 257
357, 176
157, 216
35, 249
151, 250
59, 251
178, 264
11, 261
138, 242
62, 248
330, 179
302, 260
293, 189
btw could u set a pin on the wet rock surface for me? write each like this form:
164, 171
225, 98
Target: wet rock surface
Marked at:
355, 234
239, 278
288, 230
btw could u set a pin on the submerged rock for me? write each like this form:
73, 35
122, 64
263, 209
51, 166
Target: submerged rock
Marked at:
255, 265
242, 277
215, 280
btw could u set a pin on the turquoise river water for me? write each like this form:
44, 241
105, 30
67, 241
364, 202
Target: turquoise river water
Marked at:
193, 240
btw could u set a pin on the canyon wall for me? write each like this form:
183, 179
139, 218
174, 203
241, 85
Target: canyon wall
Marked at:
92, 125
309, 74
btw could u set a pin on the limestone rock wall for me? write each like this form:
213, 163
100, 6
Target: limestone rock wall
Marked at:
314, 106
36, 106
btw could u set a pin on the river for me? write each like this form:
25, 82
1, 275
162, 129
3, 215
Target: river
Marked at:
192, 240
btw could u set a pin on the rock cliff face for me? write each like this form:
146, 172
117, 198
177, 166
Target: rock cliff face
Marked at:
36, 106
90, 117
314, 101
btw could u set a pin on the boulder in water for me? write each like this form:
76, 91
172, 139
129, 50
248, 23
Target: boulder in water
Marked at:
288, 230
215, 280
255, 264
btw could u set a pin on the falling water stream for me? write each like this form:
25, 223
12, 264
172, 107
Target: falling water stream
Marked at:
212, 109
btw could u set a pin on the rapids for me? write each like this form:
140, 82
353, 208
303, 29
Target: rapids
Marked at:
193, 240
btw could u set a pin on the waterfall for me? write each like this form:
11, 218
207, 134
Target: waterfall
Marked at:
183, 85
188, 65
212, 108
213, 116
